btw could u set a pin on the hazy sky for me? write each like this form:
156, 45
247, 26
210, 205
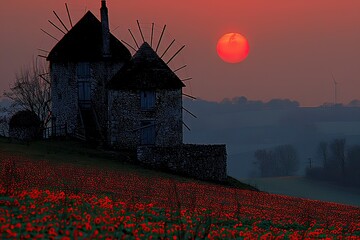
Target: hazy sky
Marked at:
295, 45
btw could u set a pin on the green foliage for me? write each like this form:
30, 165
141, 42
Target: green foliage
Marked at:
265, 224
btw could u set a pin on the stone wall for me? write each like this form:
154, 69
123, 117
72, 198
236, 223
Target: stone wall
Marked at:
205, 162
64, 92
126, 116
64, 95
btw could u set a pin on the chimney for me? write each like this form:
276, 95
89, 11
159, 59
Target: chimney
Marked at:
105, 29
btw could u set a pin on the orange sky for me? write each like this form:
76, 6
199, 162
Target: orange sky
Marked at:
294, 45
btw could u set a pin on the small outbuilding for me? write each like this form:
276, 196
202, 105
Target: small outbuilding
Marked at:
24, 126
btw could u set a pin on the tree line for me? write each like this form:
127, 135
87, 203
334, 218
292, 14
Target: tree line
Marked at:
339, 162
281, 160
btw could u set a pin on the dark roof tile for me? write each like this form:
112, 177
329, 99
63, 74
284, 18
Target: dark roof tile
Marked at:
84, 43
146, 70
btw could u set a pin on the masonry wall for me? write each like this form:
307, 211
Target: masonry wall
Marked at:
126, 116
64, 92
99, 94
205, 162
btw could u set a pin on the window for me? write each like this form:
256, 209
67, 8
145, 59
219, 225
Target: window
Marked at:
147, 132
147, 100
83, 70
84, 94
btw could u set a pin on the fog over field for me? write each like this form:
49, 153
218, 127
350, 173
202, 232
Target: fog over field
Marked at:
306, 188
245, 126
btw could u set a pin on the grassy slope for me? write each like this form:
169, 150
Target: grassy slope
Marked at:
79, 153
306, 188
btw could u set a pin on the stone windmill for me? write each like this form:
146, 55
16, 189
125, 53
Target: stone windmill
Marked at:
89, 67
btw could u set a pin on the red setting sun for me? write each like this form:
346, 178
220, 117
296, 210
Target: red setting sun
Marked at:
232, 48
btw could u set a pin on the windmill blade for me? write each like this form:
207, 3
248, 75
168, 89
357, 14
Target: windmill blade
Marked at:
189, 96
180, 68
175, 54
68, 13
168, 48
115, 29
56, 27
141, 33
186, 79
152, 34
186, 125
129, 45
62, 23
42, 50
49, 34
132, 35
189, 112
161, 35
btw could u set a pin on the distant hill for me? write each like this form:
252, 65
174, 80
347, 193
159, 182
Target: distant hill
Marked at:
245, 126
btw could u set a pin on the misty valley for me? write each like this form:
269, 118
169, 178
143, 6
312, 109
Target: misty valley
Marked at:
269, 140
106, 133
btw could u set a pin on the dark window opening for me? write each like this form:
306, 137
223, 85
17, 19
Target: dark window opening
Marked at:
83, 70
147, 100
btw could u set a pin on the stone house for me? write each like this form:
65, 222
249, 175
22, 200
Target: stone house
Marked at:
106, 96
100, 91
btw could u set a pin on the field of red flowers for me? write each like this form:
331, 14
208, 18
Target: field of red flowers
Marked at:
40, 199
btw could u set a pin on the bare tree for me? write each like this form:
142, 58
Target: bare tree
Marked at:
353, 164
338, 150
265, 162
287, 159
279, 161
31, 90
324, 153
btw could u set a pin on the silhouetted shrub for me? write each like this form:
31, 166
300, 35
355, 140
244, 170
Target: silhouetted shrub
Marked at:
24, 125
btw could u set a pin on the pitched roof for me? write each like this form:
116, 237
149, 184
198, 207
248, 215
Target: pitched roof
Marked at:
84, 43
146, 70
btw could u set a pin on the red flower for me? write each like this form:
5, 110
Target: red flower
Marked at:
52, 231
97, 220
